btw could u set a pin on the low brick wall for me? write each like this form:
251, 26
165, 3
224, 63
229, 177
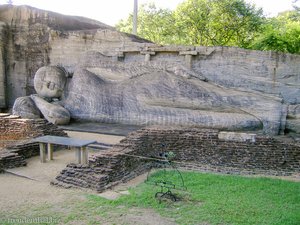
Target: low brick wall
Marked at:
11, 160
105, 170
204, 147
16, 128
194, 148
15, 137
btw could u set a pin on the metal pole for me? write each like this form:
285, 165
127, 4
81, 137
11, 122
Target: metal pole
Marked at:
135, 14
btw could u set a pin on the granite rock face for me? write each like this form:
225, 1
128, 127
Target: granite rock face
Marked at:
31, 38
268, 72
117, 77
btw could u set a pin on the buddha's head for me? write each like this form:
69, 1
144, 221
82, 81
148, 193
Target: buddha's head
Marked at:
49, 81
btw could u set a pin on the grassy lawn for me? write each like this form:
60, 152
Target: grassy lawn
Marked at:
209, 199
220, 199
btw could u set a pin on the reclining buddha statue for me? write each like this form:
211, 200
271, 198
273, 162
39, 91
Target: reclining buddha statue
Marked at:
144, 94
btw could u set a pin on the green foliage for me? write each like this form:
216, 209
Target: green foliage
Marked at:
218, 23
280, 34
198, 22
125, 25
154, 24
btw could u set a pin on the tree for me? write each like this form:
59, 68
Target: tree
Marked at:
153, 24
219, 22
281, 33
199, 22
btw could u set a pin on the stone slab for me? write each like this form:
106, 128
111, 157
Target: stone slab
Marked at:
63, 141
235, 136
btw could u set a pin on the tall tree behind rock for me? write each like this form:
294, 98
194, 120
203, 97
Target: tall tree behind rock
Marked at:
199, 22
154, 24
281, 33
218, 22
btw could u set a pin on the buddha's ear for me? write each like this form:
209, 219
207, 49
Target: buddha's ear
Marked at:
65, 71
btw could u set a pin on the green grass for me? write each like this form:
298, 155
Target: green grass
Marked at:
209, 199
220, 199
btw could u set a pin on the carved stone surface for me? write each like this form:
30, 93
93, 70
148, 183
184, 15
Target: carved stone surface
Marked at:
54, 113
26, 108
293, 118
145, 94
50, 81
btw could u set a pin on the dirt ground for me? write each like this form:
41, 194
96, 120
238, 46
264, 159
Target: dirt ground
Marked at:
29, 187
24, 189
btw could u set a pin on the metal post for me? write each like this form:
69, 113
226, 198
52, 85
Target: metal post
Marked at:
135, 14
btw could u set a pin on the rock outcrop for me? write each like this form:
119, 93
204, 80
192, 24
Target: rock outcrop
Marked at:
117, 77
31, 38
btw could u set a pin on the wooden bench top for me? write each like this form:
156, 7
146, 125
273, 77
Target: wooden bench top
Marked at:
63, 141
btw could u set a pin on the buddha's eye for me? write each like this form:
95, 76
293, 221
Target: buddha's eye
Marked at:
52, 86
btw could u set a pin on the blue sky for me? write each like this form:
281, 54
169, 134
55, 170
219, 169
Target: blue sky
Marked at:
111, 11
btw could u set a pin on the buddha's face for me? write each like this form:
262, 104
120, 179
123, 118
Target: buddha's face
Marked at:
49, 82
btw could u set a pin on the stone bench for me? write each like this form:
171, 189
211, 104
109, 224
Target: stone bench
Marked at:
78, 144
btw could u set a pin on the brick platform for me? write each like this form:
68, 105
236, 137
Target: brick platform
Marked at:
195, 149
15, 136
